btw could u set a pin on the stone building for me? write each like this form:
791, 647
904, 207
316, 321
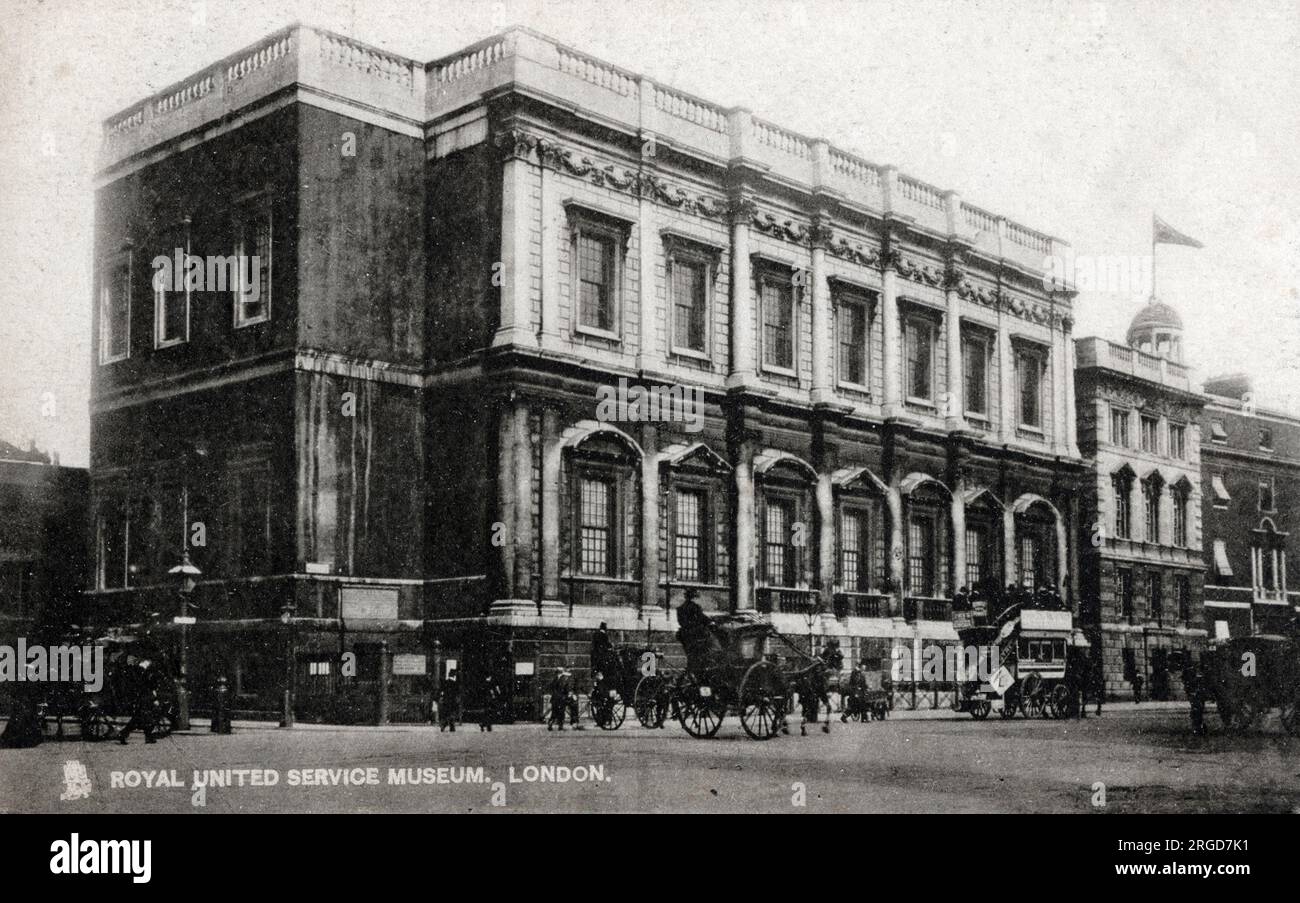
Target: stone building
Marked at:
397, 450
1250, 465
42, 548
1139, 428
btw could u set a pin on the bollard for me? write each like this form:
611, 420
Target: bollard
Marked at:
221, 709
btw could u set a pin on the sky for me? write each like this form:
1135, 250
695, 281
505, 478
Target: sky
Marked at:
1079, 119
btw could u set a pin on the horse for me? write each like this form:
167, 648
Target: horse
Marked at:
813, 687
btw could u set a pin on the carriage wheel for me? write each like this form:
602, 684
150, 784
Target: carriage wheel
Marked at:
1060, 701
700, 714
980, 709
608, 711
96, 725
645, 700
762, 701
1010, 703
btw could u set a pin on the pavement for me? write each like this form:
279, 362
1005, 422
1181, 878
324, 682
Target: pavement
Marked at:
1135, 758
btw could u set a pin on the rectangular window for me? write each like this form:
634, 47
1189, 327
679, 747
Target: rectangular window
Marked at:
688, 539
690, 303
975, 374
1217, 432
1266, 495
1125, 579
1178, 441
1183, 596
115, 311
596, 273
1120, 490
1221, 496
1150, 434
1151, 503
1119, 428
974, 556
1029, 382
1155, 596
596, 537
1029, 562
171, 297
920, 360
920, 556
253, 259
780, 553
853, 341
1266, 567
112, 537
1222, 568
854, 551
1266, 439
778, 323
1180, 518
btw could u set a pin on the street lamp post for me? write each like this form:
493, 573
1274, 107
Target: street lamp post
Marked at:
187, 574
286, 618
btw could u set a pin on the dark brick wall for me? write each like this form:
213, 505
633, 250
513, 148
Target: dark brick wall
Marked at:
361, 242
464, 241
202, 183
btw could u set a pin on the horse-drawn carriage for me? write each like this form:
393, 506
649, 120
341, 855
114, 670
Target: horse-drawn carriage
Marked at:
1028, 658
1248, 676
733, 666
634, 674
102, 714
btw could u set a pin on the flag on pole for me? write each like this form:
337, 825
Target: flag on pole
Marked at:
1164, 234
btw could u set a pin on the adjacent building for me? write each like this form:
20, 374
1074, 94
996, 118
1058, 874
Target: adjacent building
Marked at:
1139, 418
1250, 463
42, 545
382, 444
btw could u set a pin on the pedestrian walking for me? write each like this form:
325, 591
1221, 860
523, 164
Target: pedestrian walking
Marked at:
489, 703
1097, 680
144, 703
1194, 686
449, 703
1137, 688
561, 691
26, 725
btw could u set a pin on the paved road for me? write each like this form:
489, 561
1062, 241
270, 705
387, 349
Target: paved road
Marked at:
1145, 757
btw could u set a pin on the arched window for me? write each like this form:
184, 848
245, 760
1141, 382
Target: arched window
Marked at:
1121, 486
983, 543
860, 565
1151, 490
1268, 560
695, 513
1036, 543
604, 492
786, 520
926, 539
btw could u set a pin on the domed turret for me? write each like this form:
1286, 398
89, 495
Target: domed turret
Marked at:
1157, 329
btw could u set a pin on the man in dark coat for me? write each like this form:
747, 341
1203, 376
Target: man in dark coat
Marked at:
144, 702
489, 703
561, 690
602, 654
694, 628
26, 726
449, 703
